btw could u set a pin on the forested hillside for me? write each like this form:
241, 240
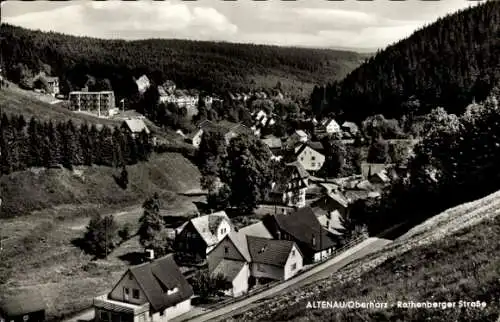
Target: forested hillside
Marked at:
448, 64
210, 66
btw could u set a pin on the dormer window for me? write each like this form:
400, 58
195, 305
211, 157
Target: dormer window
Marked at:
170, 292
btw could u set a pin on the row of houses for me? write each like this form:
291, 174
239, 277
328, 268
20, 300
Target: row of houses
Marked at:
229, 130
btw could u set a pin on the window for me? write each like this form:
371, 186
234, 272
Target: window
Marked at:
126, 290
226, 250
294, 266
313, 164
162, 313
104, 316
130, 276
313, 158
293, 252
135, 294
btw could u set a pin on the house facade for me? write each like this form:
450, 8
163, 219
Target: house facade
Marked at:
99, 103
302, 226
150, 292
143, 84
200, 235
290, 190
310, 159
248, 260
194, 138
328, 126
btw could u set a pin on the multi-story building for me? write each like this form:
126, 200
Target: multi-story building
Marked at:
94, 102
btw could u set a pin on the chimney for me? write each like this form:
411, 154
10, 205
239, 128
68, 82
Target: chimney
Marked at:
313, 240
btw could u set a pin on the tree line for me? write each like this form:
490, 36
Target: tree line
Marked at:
456, 162
447, 64
51, 144
212, 66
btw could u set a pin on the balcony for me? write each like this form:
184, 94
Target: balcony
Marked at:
103, 303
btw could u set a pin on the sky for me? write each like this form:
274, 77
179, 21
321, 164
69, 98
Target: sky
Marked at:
350, 24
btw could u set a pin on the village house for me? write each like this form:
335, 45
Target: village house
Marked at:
290, 189
275, 146
328, 126
331, 221
302, 226
53, 85
169, 86
350, 127
135, 127
25, 306
309, 157
333, 201
247, 260
194, 138
151, 292
143, 84
195, 238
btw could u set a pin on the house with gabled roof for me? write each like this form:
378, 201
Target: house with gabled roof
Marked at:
328, 126
194, 138
154, 291
275, 146
245, 260
135, 126
303, 227
350, 127
310, 158
290, 189
333, 201
196, 237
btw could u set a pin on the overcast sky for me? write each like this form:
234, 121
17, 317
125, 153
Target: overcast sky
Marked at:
360, 25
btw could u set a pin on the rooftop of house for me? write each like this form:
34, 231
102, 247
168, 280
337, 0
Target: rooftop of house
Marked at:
272, 142
269, 251
301, 133
296, 165
23, 303
136, 126
304, 226
257, 229
350, 125
158, 276
369, 169
207, 226
228, 268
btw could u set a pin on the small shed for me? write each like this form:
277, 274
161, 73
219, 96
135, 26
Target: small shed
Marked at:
28, 306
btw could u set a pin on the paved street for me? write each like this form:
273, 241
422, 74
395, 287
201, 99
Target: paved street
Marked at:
317, 273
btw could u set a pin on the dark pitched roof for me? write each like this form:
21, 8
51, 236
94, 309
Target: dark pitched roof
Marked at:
302, 172
27, 302
161, 274
269, 251
303, 226
316, 145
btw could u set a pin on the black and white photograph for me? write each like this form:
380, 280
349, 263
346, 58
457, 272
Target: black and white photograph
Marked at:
211, 160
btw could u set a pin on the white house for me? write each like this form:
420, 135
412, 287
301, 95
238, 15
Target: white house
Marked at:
194, 137
245, 259
151, 292
200, 235
311, 159
329, 126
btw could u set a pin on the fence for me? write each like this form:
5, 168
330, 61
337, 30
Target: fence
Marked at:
275, 283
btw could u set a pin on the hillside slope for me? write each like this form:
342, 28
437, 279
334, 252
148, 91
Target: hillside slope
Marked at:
450, 257
36, 189
447, 63
211, 66
14, 100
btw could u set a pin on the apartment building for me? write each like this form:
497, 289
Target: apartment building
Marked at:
94, 102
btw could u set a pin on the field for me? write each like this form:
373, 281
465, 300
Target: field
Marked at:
451, 257
48, 210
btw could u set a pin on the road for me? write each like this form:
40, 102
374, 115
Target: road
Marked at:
319, 272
